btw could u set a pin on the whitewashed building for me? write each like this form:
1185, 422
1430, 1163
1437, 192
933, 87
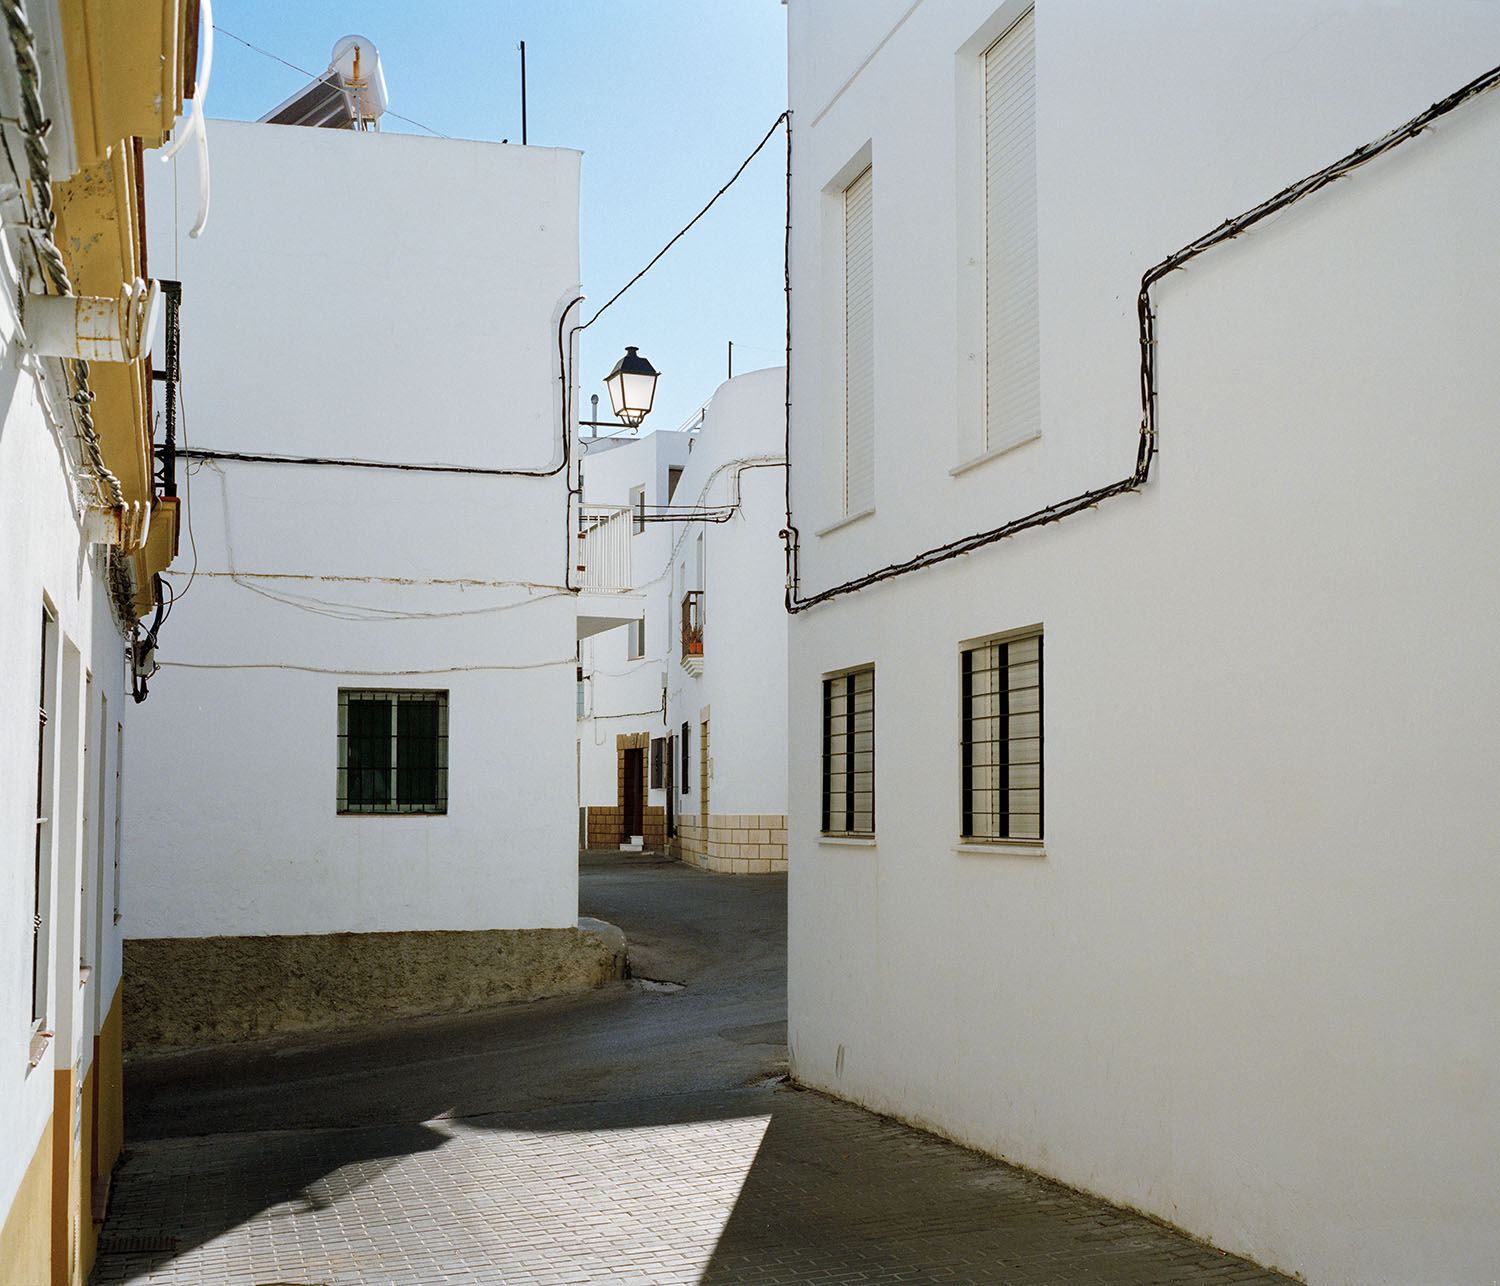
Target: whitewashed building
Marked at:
86, 525
726, 675
1200, 915
626, 632
705, 504
360, 792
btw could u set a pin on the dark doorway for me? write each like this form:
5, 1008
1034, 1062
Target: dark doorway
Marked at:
668, 767
632, 816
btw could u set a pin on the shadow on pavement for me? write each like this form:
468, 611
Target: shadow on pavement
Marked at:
266, 1130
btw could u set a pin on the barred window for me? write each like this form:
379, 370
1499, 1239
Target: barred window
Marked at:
849, 753
393, 751
1002, 739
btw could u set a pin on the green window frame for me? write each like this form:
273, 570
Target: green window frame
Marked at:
392, 751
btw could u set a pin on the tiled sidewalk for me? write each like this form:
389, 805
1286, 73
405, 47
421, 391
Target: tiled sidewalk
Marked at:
759, 1185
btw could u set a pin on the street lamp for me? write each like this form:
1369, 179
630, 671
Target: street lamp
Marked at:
632, 385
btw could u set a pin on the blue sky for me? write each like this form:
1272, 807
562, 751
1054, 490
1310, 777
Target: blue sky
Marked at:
664, 98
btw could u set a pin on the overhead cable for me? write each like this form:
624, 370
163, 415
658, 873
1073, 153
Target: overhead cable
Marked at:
1146, 446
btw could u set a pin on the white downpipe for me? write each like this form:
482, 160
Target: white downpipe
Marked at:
196, 125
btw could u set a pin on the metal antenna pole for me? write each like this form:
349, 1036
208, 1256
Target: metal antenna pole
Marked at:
523, 93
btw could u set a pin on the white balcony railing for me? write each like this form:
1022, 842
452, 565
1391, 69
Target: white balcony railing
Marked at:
604, 533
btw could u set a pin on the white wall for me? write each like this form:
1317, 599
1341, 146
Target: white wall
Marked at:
744, 633
1248, 986
44, 561
388, 298
618, 686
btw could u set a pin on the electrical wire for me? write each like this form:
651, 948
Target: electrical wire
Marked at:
312, 75
362, 612
360, 674
1146, 447
44, 265
187, 484
565, 340
352, 462
35, 198
739, 466
688, 226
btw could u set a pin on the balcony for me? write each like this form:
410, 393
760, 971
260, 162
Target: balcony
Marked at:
692, 632
604, 548
602, 570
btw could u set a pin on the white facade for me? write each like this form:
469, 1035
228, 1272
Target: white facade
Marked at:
375, 297
84, 528
623, 667
48, 565
1245, 981
716, 494
737, 684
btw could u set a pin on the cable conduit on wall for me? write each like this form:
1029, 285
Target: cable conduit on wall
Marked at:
1146, 445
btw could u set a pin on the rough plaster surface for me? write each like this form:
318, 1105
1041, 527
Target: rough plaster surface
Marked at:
182, 992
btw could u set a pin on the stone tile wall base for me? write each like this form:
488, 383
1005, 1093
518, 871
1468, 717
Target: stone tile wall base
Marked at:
181, 992
733, 843
604, 826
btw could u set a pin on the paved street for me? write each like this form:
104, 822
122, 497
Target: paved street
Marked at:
638, 1134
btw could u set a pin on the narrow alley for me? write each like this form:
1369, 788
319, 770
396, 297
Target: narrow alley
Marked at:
642, 1133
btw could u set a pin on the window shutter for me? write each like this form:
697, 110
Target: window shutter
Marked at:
1013, 377
859, 345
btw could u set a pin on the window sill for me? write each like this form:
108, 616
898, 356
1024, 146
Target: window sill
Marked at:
1002, 847
847, 841
845, 521
985, 457
39, 1042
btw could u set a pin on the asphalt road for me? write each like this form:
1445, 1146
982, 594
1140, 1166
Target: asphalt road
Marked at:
722, 942
638, 1134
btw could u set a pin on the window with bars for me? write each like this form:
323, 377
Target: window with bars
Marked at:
686, 742
1002, 739
1012, 365
849, 753
393, 751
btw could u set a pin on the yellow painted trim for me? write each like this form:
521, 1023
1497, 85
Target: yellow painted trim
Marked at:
99, 234
109, 1067
64, 1212
85, 1239
25, 1238
125, 71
